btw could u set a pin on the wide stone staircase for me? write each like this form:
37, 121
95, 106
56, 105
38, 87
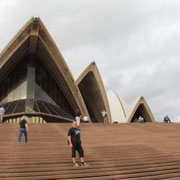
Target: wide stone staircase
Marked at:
119, 151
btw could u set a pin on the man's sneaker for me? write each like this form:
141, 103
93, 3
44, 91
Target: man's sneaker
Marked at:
76, 165
84, 164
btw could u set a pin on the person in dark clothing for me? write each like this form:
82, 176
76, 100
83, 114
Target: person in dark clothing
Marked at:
74, 142
23, 129
166, 119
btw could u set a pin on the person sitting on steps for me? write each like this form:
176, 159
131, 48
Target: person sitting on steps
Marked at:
167, 119
141, 119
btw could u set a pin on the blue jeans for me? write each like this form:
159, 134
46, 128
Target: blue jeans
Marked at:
22, 131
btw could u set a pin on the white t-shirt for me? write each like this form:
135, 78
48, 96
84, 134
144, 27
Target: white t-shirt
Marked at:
78, 120
104, 113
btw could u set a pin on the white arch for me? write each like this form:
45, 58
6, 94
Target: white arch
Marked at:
117, 107
146, 111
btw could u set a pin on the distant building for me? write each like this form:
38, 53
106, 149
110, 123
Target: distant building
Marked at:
121, 113
36, 81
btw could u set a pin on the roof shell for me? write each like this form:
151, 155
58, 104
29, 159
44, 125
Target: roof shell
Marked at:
117, 107
92, 68
34, 38
140, 101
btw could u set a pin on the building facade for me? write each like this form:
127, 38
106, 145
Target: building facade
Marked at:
36, 81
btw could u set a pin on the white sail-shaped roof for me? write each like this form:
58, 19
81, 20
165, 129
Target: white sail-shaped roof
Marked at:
117, 107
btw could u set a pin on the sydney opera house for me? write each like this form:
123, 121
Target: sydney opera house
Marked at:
36, 81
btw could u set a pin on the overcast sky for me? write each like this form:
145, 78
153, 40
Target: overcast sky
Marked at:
135, 43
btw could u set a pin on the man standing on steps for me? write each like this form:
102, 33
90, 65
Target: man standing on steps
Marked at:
74, 142
23, 129
104, 115
78, 116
